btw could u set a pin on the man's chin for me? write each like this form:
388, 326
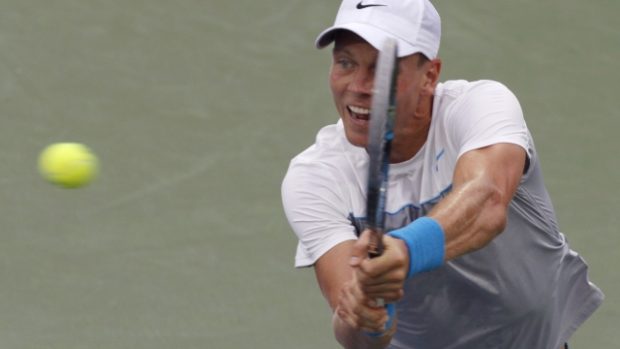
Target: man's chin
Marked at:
357, 140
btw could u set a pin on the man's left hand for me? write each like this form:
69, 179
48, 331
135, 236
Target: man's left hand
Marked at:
381, 277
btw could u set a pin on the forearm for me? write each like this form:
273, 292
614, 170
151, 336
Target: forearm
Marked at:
352, 338
471, 216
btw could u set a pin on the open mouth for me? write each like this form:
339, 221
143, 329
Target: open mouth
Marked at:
359, 113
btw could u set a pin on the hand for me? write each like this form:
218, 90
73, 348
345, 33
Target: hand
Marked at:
358, 311
381, 277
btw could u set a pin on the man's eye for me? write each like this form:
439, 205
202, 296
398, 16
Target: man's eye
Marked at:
344, 63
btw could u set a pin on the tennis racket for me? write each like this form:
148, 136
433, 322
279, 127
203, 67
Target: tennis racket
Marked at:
380, 135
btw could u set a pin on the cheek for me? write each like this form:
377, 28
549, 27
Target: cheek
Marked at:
332, 84
335, 83
338, 88
403, 103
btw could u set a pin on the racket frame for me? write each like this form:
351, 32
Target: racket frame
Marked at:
380, 135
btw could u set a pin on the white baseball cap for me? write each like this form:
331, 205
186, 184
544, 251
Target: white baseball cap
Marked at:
415, 24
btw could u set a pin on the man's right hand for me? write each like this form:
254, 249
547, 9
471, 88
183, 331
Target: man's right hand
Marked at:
359, 311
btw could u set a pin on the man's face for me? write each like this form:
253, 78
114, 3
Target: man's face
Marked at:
351, 81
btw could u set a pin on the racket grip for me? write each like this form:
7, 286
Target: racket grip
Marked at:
375, 244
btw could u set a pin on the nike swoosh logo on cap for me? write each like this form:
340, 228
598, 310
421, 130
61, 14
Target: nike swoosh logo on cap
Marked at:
361, 6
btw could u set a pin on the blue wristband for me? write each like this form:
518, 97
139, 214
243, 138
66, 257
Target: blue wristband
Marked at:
425, 241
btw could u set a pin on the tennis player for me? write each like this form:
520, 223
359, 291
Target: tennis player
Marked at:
474, 258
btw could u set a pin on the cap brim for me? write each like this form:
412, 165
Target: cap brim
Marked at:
374, 36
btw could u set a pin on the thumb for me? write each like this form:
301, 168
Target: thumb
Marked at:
360, 249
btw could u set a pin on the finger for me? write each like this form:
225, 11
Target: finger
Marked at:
351, 299
389, 277
362, 317
371, 291
375, 323
346, 307
347, 318
359, 311
392, 265
360, 249
371, 318
366, 311
379, 272
387, 297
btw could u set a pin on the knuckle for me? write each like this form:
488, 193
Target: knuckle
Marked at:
366, 268
401, 259
401, 275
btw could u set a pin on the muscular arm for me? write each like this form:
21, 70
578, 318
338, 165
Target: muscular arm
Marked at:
471, 216
483, 185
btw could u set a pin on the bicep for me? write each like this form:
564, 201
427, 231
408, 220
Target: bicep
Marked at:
475, 211
500, 165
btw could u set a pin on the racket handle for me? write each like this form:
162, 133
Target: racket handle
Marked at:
375, 244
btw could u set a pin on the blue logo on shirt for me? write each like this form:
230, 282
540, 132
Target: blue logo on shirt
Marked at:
439, 156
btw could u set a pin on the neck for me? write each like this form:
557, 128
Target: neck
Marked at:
404, 150
407, 144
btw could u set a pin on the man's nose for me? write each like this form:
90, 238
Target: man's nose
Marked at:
362, 82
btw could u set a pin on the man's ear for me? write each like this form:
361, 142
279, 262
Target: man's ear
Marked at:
431, 76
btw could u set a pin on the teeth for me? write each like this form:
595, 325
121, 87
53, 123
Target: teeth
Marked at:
359, 110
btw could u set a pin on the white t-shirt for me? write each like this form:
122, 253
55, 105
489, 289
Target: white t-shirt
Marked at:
498, 297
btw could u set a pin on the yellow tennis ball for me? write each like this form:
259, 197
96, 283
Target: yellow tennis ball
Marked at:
70, 165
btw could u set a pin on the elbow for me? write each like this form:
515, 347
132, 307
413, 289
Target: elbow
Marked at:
498, 211
492, 226
492, 219
501, 219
